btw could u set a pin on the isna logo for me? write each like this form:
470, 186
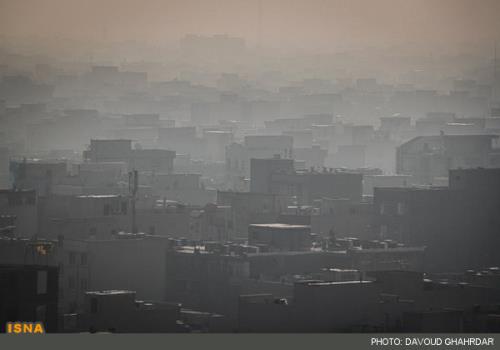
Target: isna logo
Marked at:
25, 328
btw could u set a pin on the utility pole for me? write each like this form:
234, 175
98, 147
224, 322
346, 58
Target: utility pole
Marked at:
495, 76
133, 184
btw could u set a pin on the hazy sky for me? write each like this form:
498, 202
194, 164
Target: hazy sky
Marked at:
285, 23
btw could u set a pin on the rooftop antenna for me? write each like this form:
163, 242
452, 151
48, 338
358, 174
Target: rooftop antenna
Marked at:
133, 184
495, 76
495, 62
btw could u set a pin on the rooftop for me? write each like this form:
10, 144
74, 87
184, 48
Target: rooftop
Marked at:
281, 226
110, 292
98, 196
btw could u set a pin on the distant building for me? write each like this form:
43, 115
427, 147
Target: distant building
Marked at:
147, 160
262, 171
108, 150
238, 156
4, 168
183, 188
84, 216
251, 207
427, 158
118, 311
129, 261
182, 140
274, 176
370, 182
458, 224
280, 237
23, 205
38, 175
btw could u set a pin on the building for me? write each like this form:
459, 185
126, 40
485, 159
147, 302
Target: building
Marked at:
38, 175
372, 181
216, 142
274, 176
262, 171
108, 151
251, 208
183, 140
70, 257
211, 277
120, 150
458, 224
381, 301
182, 188
118, 311
152, 160
280, 237
314, 306
428, 158
23, 206
129, 261
238, 156
29, 293
84, 216
4, 168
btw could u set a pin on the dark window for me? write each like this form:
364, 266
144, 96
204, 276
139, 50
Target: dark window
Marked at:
83, 259
30, 199
71, 282
72, 258
14, 199
93, 305
107, 209
124, 208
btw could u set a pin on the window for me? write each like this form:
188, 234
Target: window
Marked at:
83, 284
41, 282
401, 208
72, 258
41, 311
71, 282
30, 200
383, 231
382, 208
93, 305
14, 199
83, 259
124, 208
107, 209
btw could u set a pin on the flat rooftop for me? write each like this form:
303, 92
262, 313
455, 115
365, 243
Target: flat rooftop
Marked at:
336, 283
281, 226
99, 196
110, 292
